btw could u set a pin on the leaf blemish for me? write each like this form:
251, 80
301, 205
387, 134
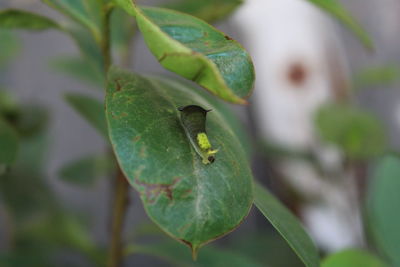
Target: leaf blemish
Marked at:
153, 191
136, 138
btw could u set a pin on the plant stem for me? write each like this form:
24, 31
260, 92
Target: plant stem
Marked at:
119, 210
105, 43
121, 188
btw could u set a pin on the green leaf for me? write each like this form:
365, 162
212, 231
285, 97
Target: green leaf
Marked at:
18, 19
352, 258
195, 50
377, 76
287, 225
359, 134
211, 256
383, 207
87, 13
85, 171
192, 202
8, 143
336, 9
207, 10
89, 108
80, 68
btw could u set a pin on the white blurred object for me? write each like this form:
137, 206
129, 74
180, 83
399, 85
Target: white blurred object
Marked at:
300, 65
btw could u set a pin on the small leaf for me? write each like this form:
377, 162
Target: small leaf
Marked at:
79, 68
91, 109
359, 134
352, 258
8, 142
287, 225
87, 13
336, 9
85, 171
18, 19
207, 10
195, 50
383, 207
192, 202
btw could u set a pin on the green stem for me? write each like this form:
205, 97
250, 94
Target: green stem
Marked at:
105, 43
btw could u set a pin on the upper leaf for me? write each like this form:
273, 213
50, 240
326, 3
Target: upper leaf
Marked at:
192, 202
195, 50
383, 207
339, 12
208, 10
8, 143
18, 19
287, 225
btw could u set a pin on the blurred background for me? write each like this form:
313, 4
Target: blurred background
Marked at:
304, 59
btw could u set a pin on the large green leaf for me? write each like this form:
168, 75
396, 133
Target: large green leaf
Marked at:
359, 134
87, 13
287, 225
85, 171
18, 19
195, 50
8, 142
91, 109
208, 10
192, 202
352, 258
383, 207
335, 8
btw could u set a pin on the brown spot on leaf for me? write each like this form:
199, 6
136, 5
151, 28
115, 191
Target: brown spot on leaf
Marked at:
153, 191
136, 138
228, 38
142, 152
297, 74
118, 88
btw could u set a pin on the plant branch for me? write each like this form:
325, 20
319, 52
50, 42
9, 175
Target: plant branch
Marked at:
119, 210
105, 43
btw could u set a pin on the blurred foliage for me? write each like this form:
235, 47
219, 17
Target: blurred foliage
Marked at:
383, 207
359, 134
336, 9
18, 19
91, 109
287, 225
80, 69
208, 10
85, 171
9, 47
385, 75
352, 258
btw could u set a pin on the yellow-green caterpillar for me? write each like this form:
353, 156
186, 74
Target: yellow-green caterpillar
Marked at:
193, 120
